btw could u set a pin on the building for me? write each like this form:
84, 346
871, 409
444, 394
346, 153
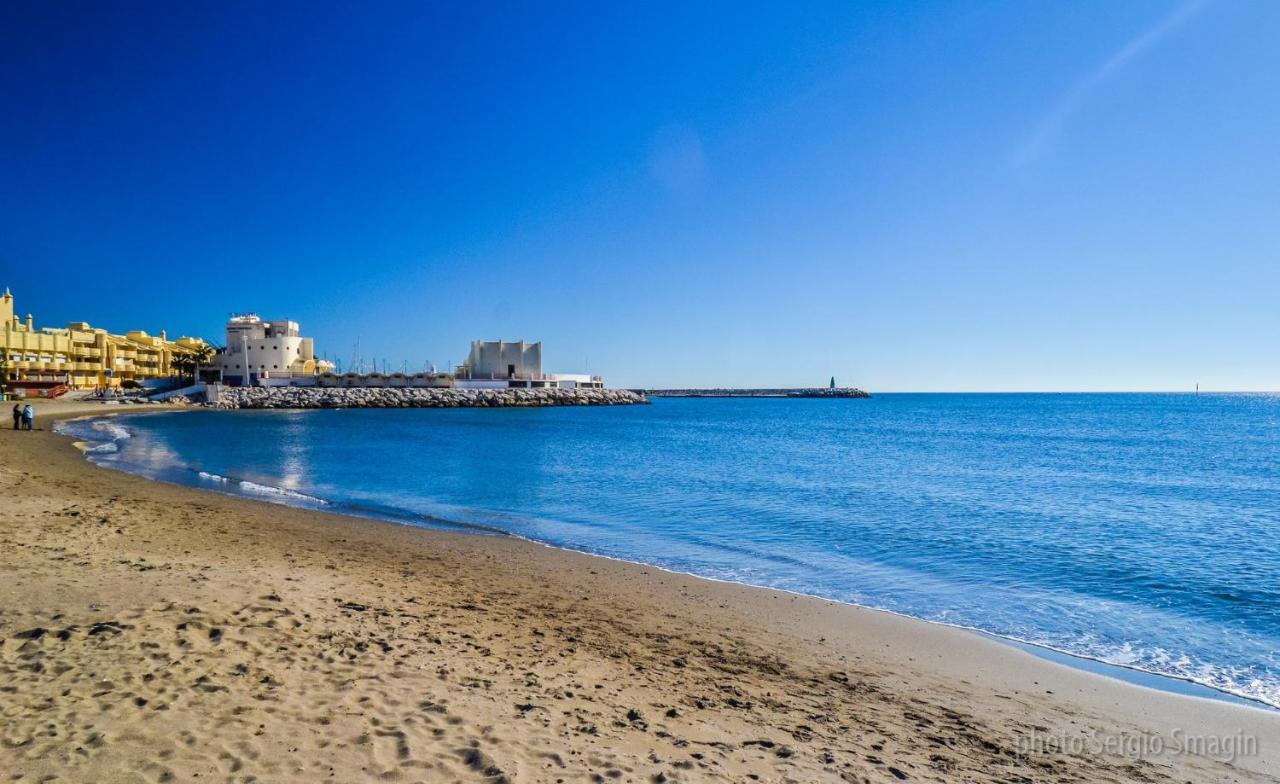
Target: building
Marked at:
496, 364
78, 356
265, 352
494, 359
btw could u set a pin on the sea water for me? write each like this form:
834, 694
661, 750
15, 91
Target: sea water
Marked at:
1136, 529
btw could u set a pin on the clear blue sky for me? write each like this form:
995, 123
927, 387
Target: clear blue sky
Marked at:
910, 196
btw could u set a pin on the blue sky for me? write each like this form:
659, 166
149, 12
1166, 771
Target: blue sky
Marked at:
910, 196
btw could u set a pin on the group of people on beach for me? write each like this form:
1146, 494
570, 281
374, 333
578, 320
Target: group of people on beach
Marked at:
24, 417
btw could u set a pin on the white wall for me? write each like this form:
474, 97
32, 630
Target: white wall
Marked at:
263, 355
493, 358
463, 383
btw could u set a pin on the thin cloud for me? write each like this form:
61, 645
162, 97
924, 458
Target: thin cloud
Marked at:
1051, 126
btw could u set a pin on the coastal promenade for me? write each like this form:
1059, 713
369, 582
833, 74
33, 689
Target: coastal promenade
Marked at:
152, 632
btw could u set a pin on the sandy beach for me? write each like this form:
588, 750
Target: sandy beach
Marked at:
151, 632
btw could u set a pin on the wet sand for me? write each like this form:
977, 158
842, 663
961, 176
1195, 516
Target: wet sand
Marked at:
150, 632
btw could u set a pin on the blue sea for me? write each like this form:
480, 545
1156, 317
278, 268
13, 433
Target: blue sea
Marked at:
1140, 530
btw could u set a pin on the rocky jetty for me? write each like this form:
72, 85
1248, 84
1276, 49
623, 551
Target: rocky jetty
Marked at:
413, 397
829, 392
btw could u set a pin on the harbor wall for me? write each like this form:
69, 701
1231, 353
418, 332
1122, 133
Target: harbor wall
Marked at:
416, 397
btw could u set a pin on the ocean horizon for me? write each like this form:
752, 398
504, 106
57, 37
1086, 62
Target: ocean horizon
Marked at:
1132, 529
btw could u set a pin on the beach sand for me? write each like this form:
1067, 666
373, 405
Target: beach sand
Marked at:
156, 633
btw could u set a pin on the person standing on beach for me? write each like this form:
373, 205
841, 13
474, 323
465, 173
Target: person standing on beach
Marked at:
28, 417
17, 415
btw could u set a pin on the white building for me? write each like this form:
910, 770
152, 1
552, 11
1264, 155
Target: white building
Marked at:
260, 352
495, 359
496, 364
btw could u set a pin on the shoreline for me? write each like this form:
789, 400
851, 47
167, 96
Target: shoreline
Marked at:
902, 665
1126, 674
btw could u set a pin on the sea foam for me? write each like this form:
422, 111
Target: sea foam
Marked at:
271, 490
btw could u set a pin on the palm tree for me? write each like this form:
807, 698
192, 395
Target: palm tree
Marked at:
191, 360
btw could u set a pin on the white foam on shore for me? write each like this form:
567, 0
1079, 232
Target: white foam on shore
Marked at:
212, 477
254, 487
94, 435
111, 430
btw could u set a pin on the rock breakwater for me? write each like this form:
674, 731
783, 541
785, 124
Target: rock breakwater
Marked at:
411, 397
819, 392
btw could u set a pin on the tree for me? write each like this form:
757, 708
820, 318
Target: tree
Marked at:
189, 361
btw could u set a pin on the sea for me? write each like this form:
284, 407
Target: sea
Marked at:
1140, 531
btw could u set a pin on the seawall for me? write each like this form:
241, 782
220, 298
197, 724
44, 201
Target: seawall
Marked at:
811, 392
412, 397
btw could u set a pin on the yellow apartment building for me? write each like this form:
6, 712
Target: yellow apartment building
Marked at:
82, 357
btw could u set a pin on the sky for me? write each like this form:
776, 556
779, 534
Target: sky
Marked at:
931, 196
